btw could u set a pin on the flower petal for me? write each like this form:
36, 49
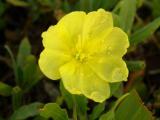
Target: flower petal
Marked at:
116, 42
71, 77
64, 35
97, 24
50, 61
93, 86
110, 69
56, 38
73, 23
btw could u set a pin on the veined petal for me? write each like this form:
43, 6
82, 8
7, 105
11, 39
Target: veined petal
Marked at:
50, 61
97, 24
71, 76
116, 42
93, 86
110, 69
73, 23
57, 38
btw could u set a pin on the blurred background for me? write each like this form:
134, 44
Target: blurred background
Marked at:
23, 21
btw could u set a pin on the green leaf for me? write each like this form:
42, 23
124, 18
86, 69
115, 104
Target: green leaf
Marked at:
127, 14
128, 107
5, 90
81, 102
116, 89
19, 3
16, 97
67, 96
132, 108
98, 109
14, 64
108, 116
135, 65
40, 118
53, 110
31, 73
26, 111
156, 8
116, 20
143, 33
23, 52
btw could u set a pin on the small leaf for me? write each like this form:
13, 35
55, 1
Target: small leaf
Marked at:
142, 34
23, 52
127, 14
16, 97
132, 108
108, 116
19, 3
67, 96
14, 64
97, 111
26, 111
135, 65
53, 110
31, 72
116, 89
5, 90
156, 8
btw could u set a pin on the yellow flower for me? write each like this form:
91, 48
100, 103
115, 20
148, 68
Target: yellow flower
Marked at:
85, 51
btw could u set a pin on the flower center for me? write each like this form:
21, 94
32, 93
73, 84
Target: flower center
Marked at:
81, 57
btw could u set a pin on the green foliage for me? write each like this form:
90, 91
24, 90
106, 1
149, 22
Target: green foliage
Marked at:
98, 109
5, 90
135, 109
143, 33
135, 65
127, 14
26, 70
156, 8
26, 111
23, 52
53, 110
116, 89
128, 107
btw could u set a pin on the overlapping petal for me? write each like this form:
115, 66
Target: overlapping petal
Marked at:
71, 74
93, 86
116, 42
73, 23
97, 24
109, 69
50, 61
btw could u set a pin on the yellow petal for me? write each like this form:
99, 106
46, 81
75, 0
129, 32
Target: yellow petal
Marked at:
97, 24
71, 77
73, 23
93, 86
110, 69
50, 61
116, 42
57, 38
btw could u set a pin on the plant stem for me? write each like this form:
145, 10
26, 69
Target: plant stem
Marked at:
74, 108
